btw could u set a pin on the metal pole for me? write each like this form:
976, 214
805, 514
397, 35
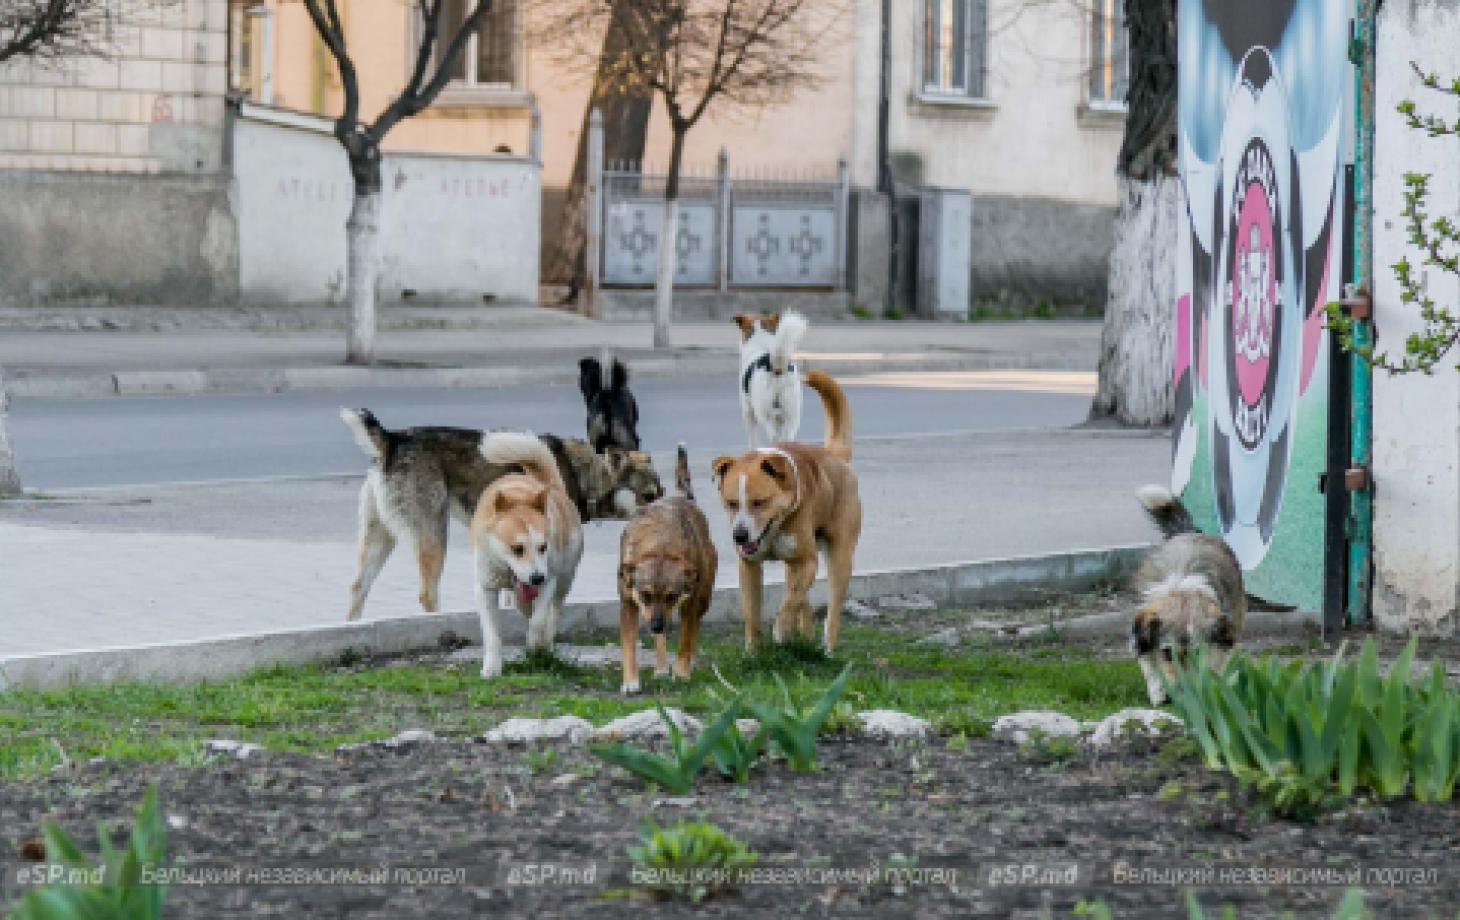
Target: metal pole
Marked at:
723, 259
534, 137
1362, 508
843, 186
593, 212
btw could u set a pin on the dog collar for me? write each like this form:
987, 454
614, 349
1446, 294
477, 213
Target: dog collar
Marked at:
795, 475
763, 363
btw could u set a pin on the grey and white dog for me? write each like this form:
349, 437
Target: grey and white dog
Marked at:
1191, 589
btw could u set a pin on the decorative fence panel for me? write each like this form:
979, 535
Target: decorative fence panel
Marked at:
734, 232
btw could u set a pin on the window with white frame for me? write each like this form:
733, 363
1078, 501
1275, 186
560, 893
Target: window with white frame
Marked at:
1109, 53
955, 48
489, 60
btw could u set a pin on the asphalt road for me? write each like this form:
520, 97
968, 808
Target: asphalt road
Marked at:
117, 441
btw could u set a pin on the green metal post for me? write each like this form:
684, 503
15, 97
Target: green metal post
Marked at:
1361, 511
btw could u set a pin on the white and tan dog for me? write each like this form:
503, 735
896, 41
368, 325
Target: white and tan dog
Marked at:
786, 503
770, 381
525, 536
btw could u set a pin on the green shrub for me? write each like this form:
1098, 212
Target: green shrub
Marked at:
689, 858
1307, 735
734, 754
111, 889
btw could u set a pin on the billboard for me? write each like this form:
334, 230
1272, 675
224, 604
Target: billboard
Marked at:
1262, 138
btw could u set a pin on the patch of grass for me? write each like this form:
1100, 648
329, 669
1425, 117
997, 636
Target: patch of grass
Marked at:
315, 709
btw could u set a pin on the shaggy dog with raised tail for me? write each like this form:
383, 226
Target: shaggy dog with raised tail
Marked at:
526, 536
666, 572
770, 380
1191, 589
788, 502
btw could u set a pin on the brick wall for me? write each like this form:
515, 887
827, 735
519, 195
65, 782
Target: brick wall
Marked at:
153, 104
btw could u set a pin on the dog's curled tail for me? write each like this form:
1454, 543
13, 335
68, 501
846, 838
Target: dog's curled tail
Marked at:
372, 437
789, 332
682, 482
1166, 511
524, 450
838, 415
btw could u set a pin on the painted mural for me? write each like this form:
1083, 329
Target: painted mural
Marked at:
1263, 138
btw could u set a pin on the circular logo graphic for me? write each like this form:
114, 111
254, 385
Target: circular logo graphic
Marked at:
1255, 262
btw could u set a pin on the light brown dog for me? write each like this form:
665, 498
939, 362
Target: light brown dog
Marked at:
786, 502
666, 569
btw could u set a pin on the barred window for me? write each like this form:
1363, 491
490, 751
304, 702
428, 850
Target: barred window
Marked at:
1109, 52
955, 47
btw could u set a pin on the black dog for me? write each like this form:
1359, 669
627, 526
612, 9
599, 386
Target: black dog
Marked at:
613, 415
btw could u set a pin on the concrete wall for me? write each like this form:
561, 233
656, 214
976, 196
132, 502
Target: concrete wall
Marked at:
454, 228
160, 239
1030, 249
1416, 418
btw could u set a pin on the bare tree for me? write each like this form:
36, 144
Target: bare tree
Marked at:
689, 54
1136, 342
625, 112
430, 72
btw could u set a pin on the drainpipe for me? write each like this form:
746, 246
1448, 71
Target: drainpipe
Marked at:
884, 162
1361, 508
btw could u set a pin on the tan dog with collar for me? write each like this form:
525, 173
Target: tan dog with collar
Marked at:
787, 502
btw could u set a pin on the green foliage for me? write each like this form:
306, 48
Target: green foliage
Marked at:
677, 772
794, 729
1437, 242
1350, 907
111, 889
541, 760
1048, 750
1306, 736
690, 858
734, 754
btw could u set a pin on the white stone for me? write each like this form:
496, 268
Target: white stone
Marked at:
240, 749
860, 610
947, 637
570, 728
889, 723
913, 601
408, 737
1143, 721
1018, 726
645, 724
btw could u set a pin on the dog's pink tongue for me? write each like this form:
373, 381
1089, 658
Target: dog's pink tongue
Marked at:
526, 594
750, 548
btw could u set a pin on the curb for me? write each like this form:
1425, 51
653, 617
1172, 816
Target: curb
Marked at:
992, 581
199, 381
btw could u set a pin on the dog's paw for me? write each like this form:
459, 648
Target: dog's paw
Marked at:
680, 675
629, 688
491, 669
661, 672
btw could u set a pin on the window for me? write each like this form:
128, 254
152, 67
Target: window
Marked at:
955, 48
1109, 54
490, 57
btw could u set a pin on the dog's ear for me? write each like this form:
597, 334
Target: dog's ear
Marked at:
501, 503
618, 376
777, 467
539, 498
746, 322
769, 322
720, 467
590, 378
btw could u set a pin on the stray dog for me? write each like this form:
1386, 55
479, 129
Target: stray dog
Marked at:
666, 568
770, 382
613, 413
420, 477
785, 503
526, 536
1191, 587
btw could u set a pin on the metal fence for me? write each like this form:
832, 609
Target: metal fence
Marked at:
748, 231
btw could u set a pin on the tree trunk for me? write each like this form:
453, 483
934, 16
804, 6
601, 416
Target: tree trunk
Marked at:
1135, 385
625, 129
9, 475
668, 243
362, 239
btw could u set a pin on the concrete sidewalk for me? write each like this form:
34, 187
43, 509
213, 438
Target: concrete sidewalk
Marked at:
125, 567
183, 352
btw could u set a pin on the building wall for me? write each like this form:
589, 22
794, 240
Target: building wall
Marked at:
1416, 417
453, 228
155, 104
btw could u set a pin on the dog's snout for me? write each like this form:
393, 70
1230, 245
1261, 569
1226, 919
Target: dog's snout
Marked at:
656, 625
537, 579
740, 535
